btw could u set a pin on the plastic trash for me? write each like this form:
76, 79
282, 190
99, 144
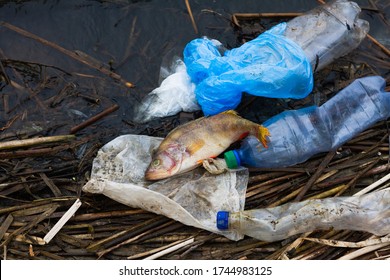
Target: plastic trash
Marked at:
277, 63
328, 31
369, 212
175, 94
297, 135
193, 198
271, 65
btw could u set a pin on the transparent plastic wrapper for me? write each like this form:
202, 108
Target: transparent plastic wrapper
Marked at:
369, 212
192, 198
328, 31
175, 94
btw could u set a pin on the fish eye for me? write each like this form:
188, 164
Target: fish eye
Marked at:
156, 163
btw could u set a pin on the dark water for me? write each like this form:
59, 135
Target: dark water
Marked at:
134, 35
134, 38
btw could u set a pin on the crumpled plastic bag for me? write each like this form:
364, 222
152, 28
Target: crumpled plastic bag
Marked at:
192, 198
270, 65
175, 94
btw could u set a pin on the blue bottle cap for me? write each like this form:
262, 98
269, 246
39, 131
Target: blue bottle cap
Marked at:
223, 220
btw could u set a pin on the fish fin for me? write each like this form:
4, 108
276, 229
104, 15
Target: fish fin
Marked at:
242, 136
201, 160
231, 112
186, 126
263, 134
195, 146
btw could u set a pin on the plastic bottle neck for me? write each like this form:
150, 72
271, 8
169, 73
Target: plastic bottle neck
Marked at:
232, 159
228, 221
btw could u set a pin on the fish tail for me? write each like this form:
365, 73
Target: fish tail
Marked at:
263, 134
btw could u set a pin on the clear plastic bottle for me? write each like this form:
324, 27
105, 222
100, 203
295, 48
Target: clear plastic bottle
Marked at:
328, 31
369, 212
296, 135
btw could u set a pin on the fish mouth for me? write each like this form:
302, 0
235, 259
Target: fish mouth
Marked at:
169, 169
156, 175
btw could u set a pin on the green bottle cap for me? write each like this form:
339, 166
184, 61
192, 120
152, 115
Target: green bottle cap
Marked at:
231, 159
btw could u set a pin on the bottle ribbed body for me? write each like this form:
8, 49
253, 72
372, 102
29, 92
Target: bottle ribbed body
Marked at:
297, 135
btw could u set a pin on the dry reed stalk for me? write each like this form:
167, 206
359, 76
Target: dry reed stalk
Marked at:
159, 249
29, 239
271, 181
170, 249
94, 119
346, 244
83, 58
110, 214
56, 191
127, 233
26, 228
5, 225
33, 152
373, 185
151, 231
236, 16
34, 141
57, 227
316, 175
191, 16
357, 253
312, 250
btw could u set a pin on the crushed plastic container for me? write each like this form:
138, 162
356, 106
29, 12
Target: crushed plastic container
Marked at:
296, 135
279, 62
369, 212
328, 31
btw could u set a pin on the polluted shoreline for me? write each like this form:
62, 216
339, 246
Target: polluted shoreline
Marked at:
41, 179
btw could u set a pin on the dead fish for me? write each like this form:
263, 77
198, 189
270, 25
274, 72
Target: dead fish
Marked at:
188, 145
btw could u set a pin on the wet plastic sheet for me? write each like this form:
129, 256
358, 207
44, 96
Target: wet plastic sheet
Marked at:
192, 198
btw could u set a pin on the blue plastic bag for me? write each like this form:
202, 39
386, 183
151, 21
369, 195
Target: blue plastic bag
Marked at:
271, 65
